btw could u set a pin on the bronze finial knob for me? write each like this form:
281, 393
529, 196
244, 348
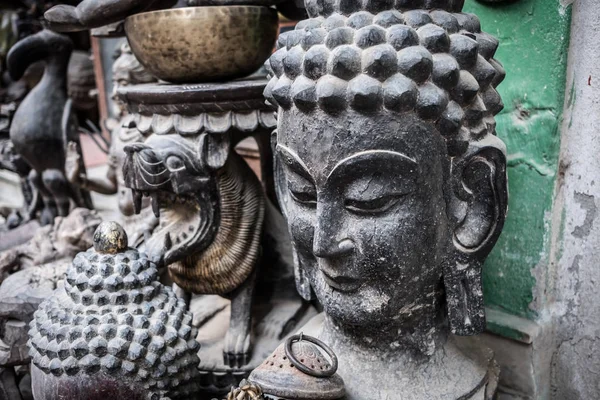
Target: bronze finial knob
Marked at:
110, 238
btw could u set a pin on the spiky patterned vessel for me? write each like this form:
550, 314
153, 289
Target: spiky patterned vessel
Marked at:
113, 330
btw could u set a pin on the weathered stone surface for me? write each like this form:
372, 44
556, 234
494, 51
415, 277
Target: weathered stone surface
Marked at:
13, 346
23, 291
573, 299
393, 184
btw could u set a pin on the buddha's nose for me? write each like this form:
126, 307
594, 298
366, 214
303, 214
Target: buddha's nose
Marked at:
330, 240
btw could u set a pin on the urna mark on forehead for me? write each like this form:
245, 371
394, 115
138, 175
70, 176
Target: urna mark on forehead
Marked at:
321, 142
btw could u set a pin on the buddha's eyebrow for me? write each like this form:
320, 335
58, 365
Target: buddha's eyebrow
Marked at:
293, 161
409, 164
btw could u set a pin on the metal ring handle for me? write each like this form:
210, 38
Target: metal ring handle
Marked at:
303, 368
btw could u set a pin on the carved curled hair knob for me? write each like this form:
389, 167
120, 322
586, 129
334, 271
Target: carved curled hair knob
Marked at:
303, 368
110, 238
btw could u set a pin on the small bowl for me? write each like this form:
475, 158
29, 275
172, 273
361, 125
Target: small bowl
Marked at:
203, 44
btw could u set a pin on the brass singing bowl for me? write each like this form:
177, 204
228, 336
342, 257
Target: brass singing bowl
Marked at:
203, 44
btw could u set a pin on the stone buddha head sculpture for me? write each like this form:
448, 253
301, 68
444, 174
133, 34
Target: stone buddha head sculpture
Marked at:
389, 171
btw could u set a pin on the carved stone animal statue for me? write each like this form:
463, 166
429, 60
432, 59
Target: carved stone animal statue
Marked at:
43, 124
211, 208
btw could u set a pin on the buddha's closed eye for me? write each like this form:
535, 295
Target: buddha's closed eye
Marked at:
308, 198
368, 183
372, 206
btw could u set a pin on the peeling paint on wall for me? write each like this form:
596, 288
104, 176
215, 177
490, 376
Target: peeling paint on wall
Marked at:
588, 204
533, 38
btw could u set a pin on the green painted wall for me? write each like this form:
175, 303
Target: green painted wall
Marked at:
533, 38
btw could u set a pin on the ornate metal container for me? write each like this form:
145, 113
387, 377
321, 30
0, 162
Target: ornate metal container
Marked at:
298, 370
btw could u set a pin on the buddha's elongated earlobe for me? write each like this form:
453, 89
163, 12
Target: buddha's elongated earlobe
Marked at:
464, 296
302, 282
480, 183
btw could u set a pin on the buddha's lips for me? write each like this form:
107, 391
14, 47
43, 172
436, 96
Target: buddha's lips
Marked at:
341, 283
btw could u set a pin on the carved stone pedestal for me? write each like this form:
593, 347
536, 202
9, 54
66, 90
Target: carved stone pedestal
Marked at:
219, 234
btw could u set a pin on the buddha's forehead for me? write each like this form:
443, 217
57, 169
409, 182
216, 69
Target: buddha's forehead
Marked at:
322, 141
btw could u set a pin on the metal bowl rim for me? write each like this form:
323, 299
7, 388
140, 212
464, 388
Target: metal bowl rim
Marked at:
201, 11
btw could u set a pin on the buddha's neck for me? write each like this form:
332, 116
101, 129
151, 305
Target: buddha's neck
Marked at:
416, 335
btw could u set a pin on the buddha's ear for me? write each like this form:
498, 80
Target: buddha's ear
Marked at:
214, 149
479, 208
481, 184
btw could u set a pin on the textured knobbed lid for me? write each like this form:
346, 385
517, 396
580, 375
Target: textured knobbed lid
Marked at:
280, 379
327, 7
113, 318
437, 64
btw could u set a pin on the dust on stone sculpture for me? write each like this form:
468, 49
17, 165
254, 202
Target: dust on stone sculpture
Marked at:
43, 124
113, 331
126, 71
394, 187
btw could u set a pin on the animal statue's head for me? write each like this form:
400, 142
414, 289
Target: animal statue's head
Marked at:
210, 207
183, 190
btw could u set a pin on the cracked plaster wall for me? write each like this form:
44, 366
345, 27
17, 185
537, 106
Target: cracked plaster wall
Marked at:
572, 292
534, 37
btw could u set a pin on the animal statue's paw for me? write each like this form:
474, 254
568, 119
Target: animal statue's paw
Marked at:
236, 348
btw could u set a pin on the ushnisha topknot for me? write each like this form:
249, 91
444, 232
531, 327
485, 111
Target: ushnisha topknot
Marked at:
327, 7
433, 62
113, 318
